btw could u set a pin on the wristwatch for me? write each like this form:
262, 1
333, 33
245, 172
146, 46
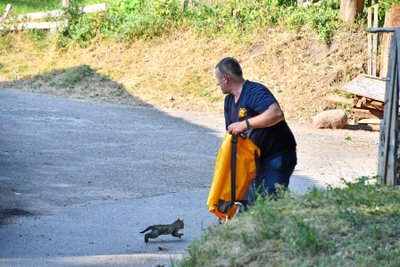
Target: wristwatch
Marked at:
248, 124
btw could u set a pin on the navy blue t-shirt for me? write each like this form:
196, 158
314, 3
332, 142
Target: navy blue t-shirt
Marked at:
254, 99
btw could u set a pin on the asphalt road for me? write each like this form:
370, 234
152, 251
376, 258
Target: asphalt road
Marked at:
79, 180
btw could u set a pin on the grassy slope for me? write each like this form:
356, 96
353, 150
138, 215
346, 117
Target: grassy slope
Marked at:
177, 70
355, 226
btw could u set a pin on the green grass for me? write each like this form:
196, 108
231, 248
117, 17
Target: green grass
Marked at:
134, 19
22, 6
355, 226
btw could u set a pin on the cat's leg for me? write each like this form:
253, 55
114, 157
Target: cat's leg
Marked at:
152, 234
176, 234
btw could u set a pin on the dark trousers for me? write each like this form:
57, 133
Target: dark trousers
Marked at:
276, 169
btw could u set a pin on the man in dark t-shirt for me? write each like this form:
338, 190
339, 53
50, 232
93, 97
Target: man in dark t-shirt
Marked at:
252, 109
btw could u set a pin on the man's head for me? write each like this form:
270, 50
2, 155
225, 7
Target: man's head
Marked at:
228, 73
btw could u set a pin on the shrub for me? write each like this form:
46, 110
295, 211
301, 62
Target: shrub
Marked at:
132, 19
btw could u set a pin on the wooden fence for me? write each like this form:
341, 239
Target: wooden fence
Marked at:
388, 154
32, 20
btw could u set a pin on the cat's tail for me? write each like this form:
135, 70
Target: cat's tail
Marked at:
148, 228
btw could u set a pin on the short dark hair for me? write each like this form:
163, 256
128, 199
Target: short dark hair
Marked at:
230, 66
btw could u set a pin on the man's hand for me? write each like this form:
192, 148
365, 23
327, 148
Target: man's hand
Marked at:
237, 128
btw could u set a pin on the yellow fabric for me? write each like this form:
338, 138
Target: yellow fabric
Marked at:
245, 171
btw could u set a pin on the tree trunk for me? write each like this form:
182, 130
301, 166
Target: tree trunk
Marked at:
392, 20
349, 9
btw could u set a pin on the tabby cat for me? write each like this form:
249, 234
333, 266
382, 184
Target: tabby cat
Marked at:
164, 229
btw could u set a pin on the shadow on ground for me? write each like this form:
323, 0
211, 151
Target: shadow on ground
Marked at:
81, 82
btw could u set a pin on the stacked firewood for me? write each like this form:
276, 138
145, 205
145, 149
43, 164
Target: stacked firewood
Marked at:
366, 111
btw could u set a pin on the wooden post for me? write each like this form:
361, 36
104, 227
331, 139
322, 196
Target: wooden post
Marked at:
6, 12
385, 48
8, 9
65, 3
392, 20
185, 3
369, 71
349, 10
388, 158
375, 41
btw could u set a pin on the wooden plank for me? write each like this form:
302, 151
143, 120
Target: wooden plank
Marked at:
366, 87
40, 15
366, 103
340, 100
369, 70
385, 48
369, 121
375, 41
367, 113
385, 152
361, 102
36, 25
376, 104
93, 8
7, 11
392, 20
59, 13
370, 106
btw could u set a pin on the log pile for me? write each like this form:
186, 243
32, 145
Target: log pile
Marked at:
366, 111
366, 105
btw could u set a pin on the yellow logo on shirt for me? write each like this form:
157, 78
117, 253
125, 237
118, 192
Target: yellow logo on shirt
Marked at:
242, 113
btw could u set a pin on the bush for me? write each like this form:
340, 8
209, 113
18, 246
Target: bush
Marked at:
132, 19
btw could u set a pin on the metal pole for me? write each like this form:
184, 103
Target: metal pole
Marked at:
375, 30
387, 115
233, 169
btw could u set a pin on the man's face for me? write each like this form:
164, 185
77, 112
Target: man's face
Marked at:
222, 81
